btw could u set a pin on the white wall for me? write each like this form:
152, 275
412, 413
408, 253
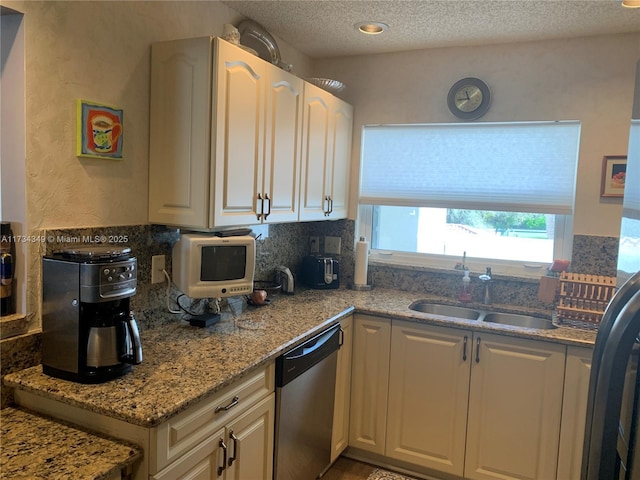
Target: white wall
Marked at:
587, 79
12, 142
99, 51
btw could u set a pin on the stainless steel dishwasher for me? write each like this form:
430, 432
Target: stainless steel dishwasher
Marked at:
305, 390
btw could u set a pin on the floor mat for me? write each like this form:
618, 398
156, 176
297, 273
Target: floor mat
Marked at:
379, 474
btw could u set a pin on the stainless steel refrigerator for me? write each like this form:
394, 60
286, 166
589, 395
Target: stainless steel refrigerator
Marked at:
612, 431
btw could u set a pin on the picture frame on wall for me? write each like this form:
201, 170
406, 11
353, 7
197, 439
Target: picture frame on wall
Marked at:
100, 130
614, 171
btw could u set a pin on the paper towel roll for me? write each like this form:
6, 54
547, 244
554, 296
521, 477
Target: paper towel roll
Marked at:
362, 262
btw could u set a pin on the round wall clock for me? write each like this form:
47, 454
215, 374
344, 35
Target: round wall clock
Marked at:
469, 98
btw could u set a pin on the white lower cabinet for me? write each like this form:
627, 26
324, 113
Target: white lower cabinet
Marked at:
515, 404
201, 463
187, 439
459, 402
369, 383
243, 449
428, 396
340, 431
574, 412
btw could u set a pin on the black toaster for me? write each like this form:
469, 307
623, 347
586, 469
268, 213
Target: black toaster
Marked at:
320, 272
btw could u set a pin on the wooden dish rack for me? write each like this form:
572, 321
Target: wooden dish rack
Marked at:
583, 298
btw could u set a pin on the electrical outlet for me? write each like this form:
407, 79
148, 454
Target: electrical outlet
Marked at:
314, 244
332, 245
158, 264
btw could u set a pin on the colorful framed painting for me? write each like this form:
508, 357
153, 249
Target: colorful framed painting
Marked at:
614, 171
99, 130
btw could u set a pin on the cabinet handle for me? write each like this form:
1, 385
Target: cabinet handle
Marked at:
478, 351
233, 457
234, 401
326, 212
464, 349
222, 468
266, 197
261, 200
330, 206
341, 338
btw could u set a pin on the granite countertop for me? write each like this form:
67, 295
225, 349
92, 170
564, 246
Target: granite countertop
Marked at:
38, 447
183, 364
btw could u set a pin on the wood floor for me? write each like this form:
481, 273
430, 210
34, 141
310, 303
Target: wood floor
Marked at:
347, 469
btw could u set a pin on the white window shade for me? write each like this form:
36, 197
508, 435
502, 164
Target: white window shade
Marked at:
523, 167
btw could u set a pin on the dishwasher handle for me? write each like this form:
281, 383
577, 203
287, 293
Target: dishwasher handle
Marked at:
311, 346
295, 362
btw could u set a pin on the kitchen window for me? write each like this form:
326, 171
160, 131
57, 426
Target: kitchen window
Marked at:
501, 193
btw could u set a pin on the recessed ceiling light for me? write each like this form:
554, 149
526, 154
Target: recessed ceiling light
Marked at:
371, 28
631, 3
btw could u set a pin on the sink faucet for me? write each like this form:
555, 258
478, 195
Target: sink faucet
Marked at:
486, 283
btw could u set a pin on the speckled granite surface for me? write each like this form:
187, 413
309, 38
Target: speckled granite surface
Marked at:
17, 353
184, 364
595, 254
37, 447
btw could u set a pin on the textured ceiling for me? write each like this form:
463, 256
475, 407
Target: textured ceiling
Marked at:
320, 28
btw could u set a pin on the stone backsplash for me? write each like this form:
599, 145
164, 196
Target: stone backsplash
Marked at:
594, 255
286, 244
591, 254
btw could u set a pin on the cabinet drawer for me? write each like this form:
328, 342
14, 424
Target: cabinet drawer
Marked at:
182, 432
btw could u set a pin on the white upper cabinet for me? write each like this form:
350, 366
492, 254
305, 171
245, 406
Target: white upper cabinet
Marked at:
179, 170
226, 139
283, 146
259, 127
328, 126
341, 144
238, 136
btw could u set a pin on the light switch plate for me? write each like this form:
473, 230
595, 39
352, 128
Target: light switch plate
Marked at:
158, 264
314, 244
332, 245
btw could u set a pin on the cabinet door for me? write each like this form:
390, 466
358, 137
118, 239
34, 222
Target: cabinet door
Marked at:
574, 412
200, 463
342, 127
250, 443
239, 135
340, 431
428, 396
179, 144
283, 145
315, 152
369, 383
515, 404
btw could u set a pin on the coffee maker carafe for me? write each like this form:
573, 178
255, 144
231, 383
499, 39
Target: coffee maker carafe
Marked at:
112, 333
89, 334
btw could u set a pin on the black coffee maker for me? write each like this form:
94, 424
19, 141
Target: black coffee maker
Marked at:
89, 334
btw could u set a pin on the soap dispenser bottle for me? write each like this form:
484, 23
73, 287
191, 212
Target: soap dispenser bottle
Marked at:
465, 289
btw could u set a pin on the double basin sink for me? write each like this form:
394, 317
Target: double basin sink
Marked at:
512, 319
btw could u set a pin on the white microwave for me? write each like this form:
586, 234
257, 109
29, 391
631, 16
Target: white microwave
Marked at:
206, 266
